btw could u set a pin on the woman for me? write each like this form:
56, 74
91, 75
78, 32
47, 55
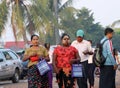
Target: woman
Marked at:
115, 53
50, 73
91, 67
35, 80
63, 57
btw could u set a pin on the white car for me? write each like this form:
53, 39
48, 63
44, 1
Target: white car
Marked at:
10, 65
52, 47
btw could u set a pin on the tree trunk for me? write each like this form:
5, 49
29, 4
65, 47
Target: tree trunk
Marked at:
31, 25
56, 30
25, 38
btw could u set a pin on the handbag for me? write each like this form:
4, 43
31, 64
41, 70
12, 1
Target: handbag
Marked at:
43, 66
77, 70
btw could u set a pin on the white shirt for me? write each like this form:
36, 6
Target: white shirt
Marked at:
50, 56
83, 46
90, 57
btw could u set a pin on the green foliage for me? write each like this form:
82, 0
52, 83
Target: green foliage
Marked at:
116, 41
40, 17
3, 15
114, 24
72, 20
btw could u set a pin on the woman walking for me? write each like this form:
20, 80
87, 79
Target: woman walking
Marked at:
64, 56
50, 73
35, 80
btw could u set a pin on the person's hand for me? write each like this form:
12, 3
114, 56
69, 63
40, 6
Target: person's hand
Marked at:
85, 53
115, 66
91, 53
73, 61
57, 71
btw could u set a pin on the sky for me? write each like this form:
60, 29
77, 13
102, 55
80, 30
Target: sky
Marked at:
105, 11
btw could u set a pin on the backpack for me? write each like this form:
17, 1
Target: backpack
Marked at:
98, 58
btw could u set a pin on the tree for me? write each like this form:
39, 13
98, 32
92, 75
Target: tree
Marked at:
18, 10
34, 16
57, 9
50, 14
72, 20
3, 15
27, 17
114, 24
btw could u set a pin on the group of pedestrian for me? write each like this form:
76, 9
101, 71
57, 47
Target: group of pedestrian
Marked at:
64, 55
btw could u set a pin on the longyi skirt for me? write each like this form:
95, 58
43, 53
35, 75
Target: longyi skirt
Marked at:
35, 80
107, 77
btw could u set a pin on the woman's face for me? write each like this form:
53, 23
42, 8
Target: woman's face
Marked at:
66, 40
35, 41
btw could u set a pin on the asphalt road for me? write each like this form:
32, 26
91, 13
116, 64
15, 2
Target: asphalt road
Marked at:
23, 83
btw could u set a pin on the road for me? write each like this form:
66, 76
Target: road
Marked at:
23, 83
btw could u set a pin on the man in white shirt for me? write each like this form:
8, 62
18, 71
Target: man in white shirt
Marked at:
84, 49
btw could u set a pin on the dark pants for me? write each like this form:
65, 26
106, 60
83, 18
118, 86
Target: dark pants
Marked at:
50, 75
107, 77
64, 80
82, 82
91, 68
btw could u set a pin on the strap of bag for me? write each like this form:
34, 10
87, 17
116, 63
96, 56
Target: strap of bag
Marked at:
110, 46
104, 41
103, 44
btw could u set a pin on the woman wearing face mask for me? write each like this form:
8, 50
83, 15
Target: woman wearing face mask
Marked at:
33, 54
64, 56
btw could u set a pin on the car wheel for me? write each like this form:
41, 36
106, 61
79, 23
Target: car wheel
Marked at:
15, 78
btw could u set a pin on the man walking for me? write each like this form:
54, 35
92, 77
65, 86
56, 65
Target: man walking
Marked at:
84, 49
91, 68
107, 72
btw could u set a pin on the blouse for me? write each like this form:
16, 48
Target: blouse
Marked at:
64, 55
42, 52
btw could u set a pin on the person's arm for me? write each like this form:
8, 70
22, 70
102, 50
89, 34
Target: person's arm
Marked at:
46, 55
110, 54
47, 58
89, 50
26, 56
117, 58
88, 53
54, 63
75, 59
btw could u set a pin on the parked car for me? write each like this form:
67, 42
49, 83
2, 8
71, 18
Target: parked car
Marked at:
10, 65
24, 64
52, 47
